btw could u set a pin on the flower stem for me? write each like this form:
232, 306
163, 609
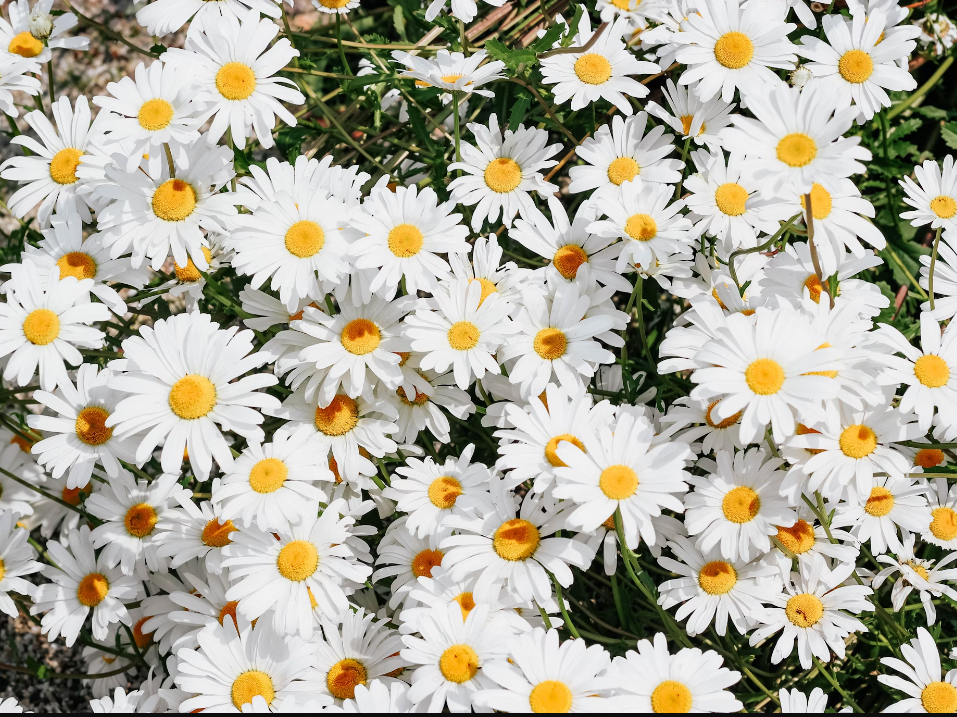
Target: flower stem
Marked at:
830, 678
342, 54
933, 265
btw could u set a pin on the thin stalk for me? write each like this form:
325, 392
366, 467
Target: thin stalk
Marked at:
342, 54
830, 678
561, 606
922, 90
169, 161
50, 82
809, 222
933, 265
68, 675
684, 167
457, 131
763, 247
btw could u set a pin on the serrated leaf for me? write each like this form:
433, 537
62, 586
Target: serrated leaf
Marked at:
550, 37
512, 58
949, 134
398, 19
931, 112
905, 128
517, 114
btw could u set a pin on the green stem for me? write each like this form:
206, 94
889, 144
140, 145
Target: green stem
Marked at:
561, 606
933, 264
684, 167
763, 247
342, 54
830, 678
172, 167
922, 90
903, 268
455, 115
50, 84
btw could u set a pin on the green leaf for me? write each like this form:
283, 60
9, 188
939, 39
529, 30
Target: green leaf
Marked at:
550, 37
417, 122
949, 134
573, 26
359, 82
905, 128
931, 112
398, 18
512, 58
517, 114
289, 141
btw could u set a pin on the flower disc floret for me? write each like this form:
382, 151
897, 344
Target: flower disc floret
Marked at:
623, 169
339, 417
216, 534
568, 259
140, 520
731, 199
250, 684
63, 165
297, 560
858, 441
444, 491
41, 327
344, 676
943, 206
268, 475
155, 114
192, 397
797, 150
618, 482
804, 610
550, 696
425, 561
717, 577
91, 426
593, 69
305, 239
235, 81
77, 264
943, 524
25, 44
405, 240
856, 66
798, 538
939, 697
174, 200
641, 227
764, 376
550, 343
932, 371
740, 505
516, 539
733, 50
459, 663
503, 175
671, 697
93, 589
463, 335
551, 448
360, 337
880, 502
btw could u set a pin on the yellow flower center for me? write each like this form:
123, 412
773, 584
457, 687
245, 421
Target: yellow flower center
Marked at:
423, 563
76, 264
466, 602
624, 6
216, 534
550, 696
174, 200
740, 504
360, 337
618, 482
235, 81
63, 165
686, 122
641, 227
343, 677
459, 664
858, 441
305, 239
943, 206
880, 502
804, 610
726, 423
943, 525
268, 475
73, 496
190, 273
503, 175
463, 335
797, 150
405, 240
516, 539
334, 4
142, 639
717, 577
671, 696
420, 399
813, 284
250, 684
623, 169
550, 344
939, 697
91, 427
140, 520
731, 199
155, 114
799, 538
929, 457
764, 376
488, 288
297, 560
918, 568
229, 609
193, 396
821, 202
932, 371
25, 45
41, 327
92, 589
733, 50
339, 417
567, 260
551, 448
444, 491
593, 69
856, 66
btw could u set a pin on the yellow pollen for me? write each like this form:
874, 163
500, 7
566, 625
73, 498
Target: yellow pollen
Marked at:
230, 610
142, 639
939, 697
92, 589
641, 227
624, 6
91, 427
726, 423
551, 448
334, 4
733, 50
339, 417
503, 175
250, 684
943, 525
155, 114
268, 475
622, 170
466, 601
360, 337
25, 45
297, 560
190, 273
814, 286
235, 81
567, 260
932, 371
740, 504
24, 444
856, 66
943, 206
618, 482
452, 79
216, 534
764, 376
799, 538
140, 520
918, 568
3, 570
686, 122
551, 695
63, 165
193, 396
174, 200
305, 239
405, 240
929, 457
717, 577
76, 264
488, 288
41, 327
343, 678
463, 335
550, 344
797, 150
804, 610
444, 491
73, 496
593, 69
420, 399
731, 199
821, 202
459, 664
423, 563
516, 539
879, 503
857, 441
671, 697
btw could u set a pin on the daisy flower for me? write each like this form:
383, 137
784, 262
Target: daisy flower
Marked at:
814, 610
405, 230
922, 575
464, 10
431, 493
120, 703
406, 557
603, 72
82, 582
713, 435
738, 507
234, 664
424, 399
273, 484
637, 12
945, 282
49, 175
310, 566
926, 687
179, 376
485, 266
654, 680
34, 32
163, 17
806, 538
452, 71
730, 48
379, 697
502, 171
13, 77
177, 616
942, 530
42, 323
796, 701
16, 560
690, 117
648, 221
268, 311
450, 656
191, 531
892, 504
933, 195
233, 72
794, 138
541, 675
858, 63
15, 458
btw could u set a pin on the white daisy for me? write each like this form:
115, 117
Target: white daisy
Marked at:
714, 435
933, 196
923, 575
188, 532
807, 539
452, 71
13, 77
795, 701
690, 117
16, 560
380, 697
942, 530
892, 504
424, 398
406, 557
163, 17
945, 282
485, 266
927, 688
33, 32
